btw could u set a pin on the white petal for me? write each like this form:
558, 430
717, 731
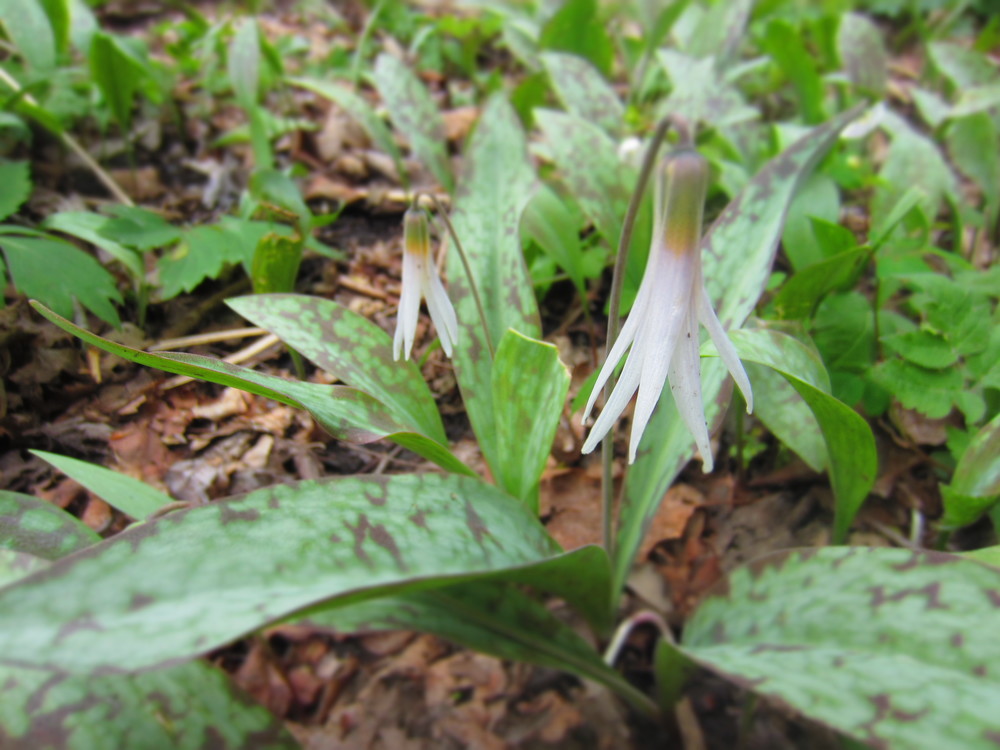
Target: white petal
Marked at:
626, 336
617, 402
440, 308
409, 307
658, 343
727, 352
685, 385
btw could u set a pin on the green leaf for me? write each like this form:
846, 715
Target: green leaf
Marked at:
577, 28
784, 43
189, 706
924, 348
931, 392
737, 252
965, 67
116, 74
244, 64
351, 348
30, 30
361, 111
90, 227
493, 617
976, 99
973, 146
494, 188
780, 407
275, 187
818, 198
346, 413
699, 92
60, 16
862, 53
529, 392
850, 444
139, 228
549, 221
719, 31
15, 566
15, 176
276, 263
30, 260
415, 115
891, 647
800, 295
128, 494
150, 596
40, 529
975, 486
584, 92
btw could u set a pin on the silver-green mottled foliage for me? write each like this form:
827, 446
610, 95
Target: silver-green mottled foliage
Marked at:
214, 573
873, 642
40, 529
494, 189
583, 91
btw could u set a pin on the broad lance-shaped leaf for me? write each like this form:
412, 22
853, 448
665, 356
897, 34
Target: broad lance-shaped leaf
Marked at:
180, 585
892, 647
850, 444
187, 706
975, 486
738, 253
414, 114
583, 91
492, 193
39, 528
351, 348
529, 392
493, 617
128, 494
346, 413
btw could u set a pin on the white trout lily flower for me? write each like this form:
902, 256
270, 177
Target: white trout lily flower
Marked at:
420, 279
662, 327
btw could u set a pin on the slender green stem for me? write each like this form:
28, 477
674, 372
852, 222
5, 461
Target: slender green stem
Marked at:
71, 143
614, 323
468, 273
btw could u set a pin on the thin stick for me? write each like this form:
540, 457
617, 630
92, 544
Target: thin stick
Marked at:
71, 143
614, 324
183, 342
468, 273
260, 345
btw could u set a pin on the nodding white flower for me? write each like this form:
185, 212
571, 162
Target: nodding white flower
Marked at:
420, 279
662, 327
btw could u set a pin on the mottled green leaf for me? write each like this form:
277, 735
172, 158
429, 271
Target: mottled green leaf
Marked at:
31, 256
492, 193
699, 93
975, 486
16, 565
529, 392
39, 528
128, 494
415, 115
493, 617
361, 111
974, 146
186, 707
346, 413
976, 99
850, 445
892, 647
965, 67
738, 252
584, 92
719, 31
15, 177
862, 53
152, 595
351, 348
781, 409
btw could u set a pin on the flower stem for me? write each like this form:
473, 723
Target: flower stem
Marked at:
468, 273
614, 310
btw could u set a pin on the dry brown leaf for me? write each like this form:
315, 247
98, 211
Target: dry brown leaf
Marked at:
679, 503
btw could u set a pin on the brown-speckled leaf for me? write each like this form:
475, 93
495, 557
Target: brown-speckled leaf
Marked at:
180, 585
495, 187
895, 648
862, 53
38, 528
738, 252
346, 413
583, 91
187, 707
